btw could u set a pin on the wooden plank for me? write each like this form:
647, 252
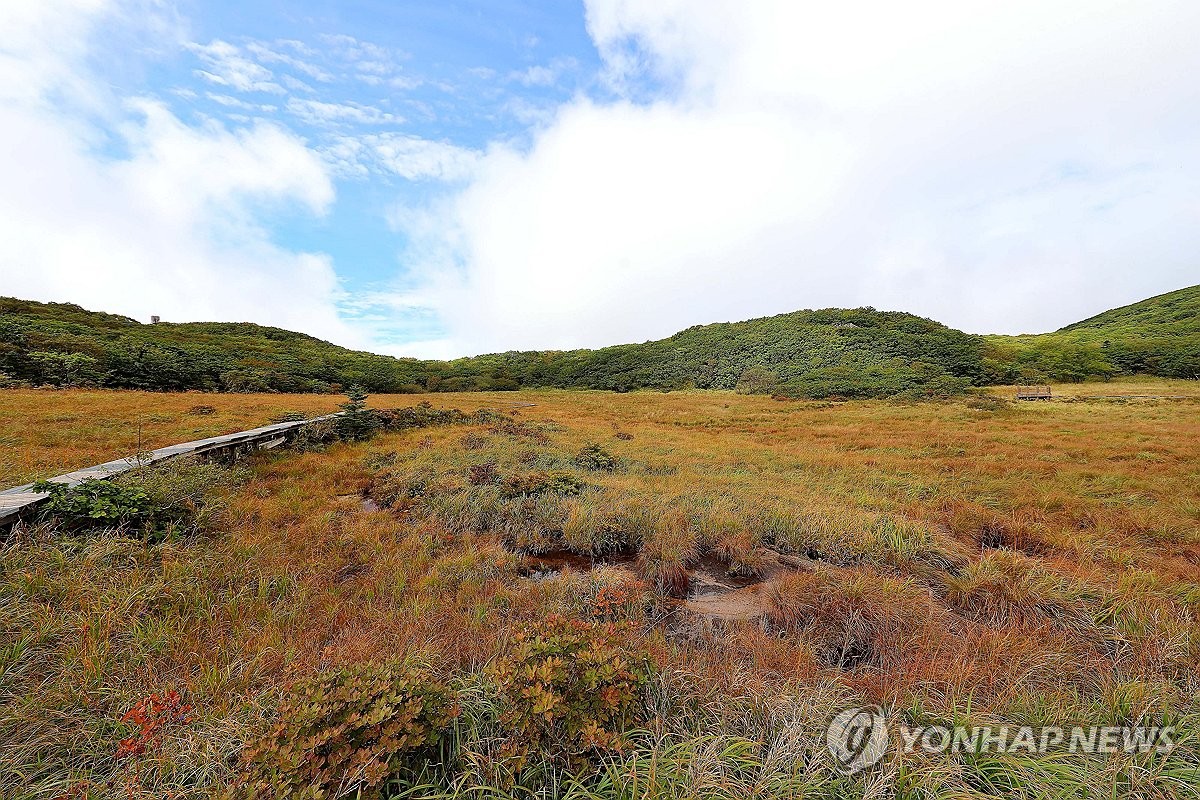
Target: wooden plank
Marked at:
20, 499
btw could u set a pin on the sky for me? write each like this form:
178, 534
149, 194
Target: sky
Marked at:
439, 179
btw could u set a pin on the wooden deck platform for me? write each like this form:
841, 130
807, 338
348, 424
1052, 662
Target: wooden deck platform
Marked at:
1033, 393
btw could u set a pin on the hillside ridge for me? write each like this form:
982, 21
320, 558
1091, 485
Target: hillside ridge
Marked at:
828, 352
1163, 309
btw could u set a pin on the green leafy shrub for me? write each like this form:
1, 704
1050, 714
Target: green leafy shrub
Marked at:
346, 732
563, 484
156, 501
569, 692
9, 382
96, 503
595, 458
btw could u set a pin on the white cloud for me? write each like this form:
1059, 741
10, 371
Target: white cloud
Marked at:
408, 156
545, 74
267, 55
40, 46
295, 84
415, 158
233, 102
317, 112
996, 166
175, 227
227, 66
372, 63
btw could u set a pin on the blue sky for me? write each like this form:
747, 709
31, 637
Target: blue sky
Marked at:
440, 179
460, 75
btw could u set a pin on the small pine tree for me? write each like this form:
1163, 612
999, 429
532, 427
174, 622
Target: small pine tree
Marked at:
356, 422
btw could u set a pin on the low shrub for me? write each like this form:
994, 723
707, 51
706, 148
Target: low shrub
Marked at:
980, 401
474, 441
96, 503
422, 415
595, 458
149, 718
569, 692
346, 732
480, 474
315, 436
563, 484
515, 429
178, 497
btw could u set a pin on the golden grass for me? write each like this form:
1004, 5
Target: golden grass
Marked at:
1039, 561
45, 433
1135, 385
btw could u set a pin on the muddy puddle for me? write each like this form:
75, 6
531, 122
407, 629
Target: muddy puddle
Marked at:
547, 565
716, 594
712, 591
365, 503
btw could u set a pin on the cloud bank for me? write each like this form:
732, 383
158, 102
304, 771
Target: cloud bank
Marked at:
165, 218
999, 167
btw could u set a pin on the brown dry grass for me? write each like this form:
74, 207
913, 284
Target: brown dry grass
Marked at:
1038, 561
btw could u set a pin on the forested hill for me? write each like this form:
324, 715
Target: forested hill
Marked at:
831, 352
1169, 314
1157, 336
845, 352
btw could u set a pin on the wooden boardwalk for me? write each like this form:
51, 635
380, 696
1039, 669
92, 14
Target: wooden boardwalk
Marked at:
20, 500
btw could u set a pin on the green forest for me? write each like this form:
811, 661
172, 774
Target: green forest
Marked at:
825, 353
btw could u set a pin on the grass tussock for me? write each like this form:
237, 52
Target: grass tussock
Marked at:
852, 617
